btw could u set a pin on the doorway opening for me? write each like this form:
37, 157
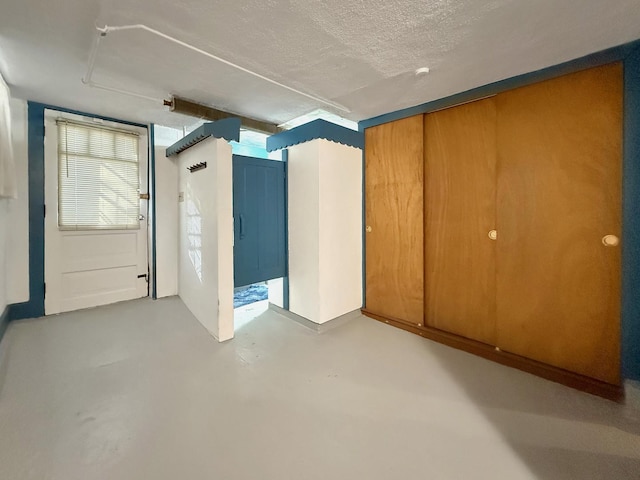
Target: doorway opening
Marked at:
251, 301
259, 212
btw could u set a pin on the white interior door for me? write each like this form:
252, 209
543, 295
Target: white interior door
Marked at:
88, 265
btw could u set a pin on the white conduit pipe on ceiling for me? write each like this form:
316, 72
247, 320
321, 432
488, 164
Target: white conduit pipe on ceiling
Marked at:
102, 32
89, 73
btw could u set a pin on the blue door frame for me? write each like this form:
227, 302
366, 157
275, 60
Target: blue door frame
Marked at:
34, 307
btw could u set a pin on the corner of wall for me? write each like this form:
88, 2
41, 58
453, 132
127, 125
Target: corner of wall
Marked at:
17, 240
14, 222
224, 189
340, 229
304, 223
206, 236
4, 273
4, 321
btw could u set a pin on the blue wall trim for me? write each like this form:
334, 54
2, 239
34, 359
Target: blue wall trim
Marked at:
85, 114
152, 206
313, 130
593, 60
227, 128
285, 280
631, 220
35, 147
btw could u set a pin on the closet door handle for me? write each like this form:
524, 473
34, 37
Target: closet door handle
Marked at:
493, 234
241, 226
610, 241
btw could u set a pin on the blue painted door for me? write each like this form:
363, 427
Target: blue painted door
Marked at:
259, 251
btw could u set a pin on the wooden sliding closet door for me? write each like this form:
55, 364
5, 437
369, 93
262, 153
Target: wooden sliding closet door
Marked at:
559, 194
460, 211
394, 220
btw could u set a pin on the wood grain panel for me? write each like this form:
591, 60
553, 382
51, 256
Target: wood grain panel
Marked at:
559, 193
460, 210
394, 211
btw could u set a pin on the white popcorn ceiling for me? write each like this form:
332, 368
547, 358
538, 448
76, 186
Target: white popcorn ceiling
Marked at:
360, 54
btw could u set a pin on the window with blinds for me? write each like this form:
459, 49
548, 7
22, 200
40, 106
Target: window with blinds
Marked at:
98, 179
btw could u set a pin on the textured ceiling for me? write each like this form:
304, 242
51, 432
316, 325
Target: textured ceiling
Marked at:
359, 54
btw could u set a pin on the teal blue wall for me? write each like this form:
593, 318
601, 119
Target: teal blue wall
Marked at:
35, 145
631, 219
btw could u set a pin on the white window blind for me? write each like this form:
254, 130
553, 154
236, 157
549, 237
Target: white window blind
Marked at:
98, 179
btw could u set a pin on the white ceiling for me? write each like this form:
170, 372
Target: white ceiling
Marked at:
360, 54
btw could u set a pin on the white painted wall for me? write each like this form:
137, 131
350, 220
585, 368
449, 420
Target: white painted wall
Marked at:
17, 221
3, 254
167, 222
14, 218
304, 229
340, 234
206, 236
325, 230
275, 290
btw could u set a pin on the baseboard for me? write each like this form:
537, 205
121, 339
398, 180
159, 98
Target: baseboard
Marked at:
558, 375
316, 327
4, 323
23, 310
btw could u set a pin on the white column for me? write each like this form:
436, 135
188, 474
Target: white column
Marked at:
167, 224
325, 230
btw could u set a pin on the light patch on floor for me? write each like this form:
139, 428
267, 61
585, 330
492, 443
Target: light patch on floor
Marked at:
140, 390
244, 315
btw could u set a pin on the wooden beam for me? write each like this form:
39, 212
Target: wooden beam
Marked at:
193, 109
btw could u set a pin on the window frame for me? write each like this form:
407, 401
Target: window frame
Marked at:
143, 156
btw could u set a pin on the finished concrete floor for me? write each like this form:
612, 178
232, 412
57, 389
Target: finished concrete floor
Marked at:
139, 390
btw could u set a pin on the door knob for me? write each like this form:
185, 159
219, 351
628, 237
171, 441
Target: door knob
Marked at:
368, 229
610, 241
493, 234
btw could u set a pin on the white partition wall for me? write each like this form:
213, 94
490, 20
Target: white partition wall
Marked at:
206, 235
325, 230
